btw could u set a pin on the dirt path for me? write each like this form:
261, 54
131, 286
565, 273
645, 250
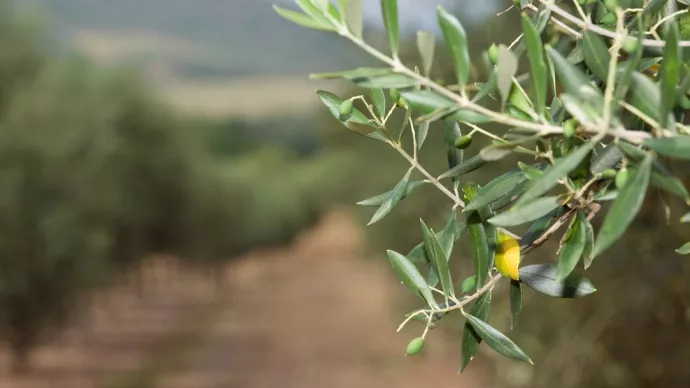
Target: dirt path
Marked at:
311, 315
316, 316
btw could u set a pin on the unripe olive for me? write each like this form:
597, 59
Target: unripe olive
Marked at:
395, 95
345, 108
415, 346
630, 45
609, 18
493, 53
463, 142
621, 178
470, 191
569, 128
608, 173
468, 284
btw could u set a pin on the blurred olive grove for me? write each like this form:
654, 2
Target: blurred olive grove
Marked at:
96, 173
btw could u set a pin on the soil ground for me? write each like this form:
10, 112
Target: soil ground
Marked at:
314, 314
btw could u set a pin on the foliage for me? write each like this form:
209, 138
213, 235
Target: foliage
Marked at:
597, 119
96, 174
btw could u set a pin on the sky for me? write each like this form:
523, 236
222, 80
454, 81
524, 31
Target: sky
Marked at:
420, 14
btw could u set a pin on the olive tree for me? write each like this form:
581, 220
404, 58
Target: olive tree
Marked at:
596, 122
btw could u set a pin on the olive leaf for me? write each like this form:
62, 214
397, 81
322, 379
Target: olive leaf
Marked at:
515, 300
465, 167
497, 340
378, 200
506, 68
456, 42
684, 250
426, 45
439, 259
544, 279
527, 212
624, 207
389, 9
398, 193
470, 338
410, 276
553, 174
669, 75
304, 20
677, 147
496, 189
538, 71
573, 246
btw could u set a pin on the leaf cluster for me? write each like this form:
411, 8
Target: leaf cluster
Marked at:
597, 120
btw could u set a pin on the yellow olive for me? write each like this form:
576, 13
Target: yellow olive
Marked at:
507, 259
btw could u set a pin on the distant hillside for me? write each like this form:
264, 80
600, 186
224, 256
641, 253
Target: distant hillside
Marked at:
218, 57
229, 36
239, 36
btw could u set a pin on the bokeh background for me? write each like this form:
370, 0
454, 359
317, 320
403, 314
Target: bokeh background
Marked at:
176, 210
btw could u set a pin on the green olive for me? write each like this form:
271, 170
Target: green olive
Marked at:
463, 142
415, 346
468, 284
345, 108
609, 173
569, 128
493, 53
395, 95
621, 178
630, 45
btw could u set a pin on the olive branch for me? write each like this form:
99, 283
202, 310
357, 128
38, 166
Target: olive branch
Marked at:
596, 127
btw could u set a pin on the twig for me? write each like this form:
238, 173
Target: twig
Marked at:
459, 304
463, 102
652, 31
559, 23
505, 10
613, 63
585, 25
415, 164
553, 229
